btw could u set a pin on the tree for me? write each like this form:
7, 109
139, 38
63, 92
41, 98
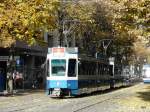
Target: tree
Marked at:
131, 19
125, 21
26, 20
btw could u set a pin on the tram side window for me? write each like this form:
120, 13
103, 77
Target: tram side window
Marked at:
91, 69
106, 70
83, 66
99, 69
47, 68
88, 68
111, 70
95, 68
102, 69
72, 68
80, 68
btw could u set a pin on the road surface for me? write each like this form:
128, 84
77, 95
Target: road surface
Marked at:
130, 99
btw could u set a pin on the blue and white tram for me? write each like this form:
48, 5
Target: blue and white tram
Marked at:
70, 75
146, 73
62, 71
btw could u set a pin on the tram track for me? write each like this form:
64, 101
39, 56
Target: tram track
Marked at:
96, 103
45, 104
27, 105
107, 99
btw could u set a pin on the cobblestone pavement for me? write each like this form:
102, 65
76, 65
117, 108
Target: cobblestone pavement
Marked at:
130, 99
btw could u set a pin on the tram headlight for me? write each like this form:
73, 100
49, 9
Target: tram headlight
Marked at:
58, 83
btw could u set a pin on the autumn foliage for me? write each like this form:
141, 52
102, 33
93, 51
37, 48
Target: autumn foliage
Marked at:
125, 21
23, 19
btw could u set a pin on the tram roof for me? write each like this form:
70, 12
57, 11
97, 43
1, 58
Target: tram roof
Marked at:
88, 58
74, 50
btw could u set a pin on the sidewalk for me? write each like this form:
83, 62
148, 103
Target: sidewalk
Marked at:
21, 91
5, 93
22, 100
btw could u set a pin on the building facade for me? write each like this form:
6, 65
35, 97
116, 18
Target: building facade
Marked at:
25, 60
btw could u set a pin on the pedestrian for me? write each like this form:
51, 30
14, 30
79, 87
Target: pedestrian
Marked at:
39, 80
9, 82
1, 81
19, 80
14, 79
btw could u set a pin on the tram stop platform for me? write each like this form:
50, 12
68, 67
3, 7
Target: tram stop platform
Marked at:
21, 92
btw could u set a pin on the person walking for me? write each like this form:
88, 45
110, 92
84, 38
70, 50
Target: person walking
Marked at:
9, 82
14, 80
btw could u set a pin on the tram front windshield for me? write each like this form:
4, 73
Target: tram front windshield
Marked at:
58, 67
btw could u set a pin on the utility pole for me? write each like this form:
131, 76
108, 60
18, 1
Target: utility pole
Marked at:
10, 69
60, 21
105, 43
67, 31
63, 22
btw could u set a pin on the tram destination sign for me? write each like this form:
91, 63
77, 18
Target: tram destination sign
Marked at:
58, 51
62, 51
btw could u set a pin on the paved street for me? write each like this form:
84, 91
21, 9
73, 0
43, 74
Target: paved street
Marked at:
131, 99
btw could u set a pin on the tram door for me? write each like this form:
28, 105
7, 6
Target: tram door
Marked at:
3, 66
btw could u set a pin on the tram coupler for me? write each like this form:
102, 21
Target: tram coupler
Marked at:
56, 92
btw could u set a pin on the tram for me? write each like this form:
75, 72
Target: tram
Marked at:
71, 74
146, 73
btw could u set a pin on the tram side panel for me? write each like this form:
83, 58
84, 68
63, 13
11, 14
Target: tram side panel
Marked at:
86, 76
93, 76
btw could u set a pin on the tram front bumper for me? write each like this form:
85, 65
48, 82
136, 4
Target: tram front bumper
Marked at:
56, 92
